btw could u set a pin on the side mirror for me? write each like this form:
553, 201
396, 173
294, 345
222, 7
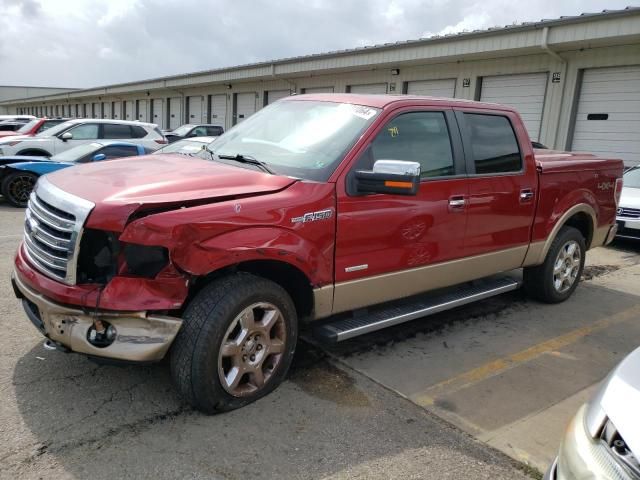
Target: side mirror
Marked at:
395, 177
66, 136
98, 157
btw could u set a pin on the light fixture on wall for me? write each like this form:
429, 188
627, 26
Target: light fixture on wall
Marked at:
395, 71
229, 86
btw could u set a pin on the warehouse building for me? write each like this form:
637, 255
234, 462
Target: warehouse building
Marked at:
575, 81
13, 92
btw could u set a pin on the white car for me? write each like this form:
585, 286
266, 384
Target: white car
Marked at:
77, 132
193, 147
628, 216
602, 442
16, 117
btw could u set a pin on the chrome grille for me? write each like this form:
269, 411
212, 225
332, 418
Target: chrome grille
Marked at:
52, 230
629, 212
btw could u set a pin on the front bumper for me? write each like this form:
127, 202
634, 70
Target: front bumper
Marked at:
628, 227
551, 473
140, 337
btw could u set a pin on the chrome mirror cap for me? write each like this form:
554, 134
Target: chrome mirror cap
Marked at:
397, 167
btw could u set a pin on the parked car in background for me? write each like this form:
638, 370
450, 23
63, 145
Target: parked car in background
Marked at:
310, 211
80, 131
602, 441
193, 130
25, 118
11, 125
19, 174
628, 216
195, 147
33, 127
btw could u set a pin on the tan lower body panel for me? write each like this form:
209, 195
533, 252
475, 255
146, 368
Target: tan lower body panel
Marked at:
140, 337
391, 286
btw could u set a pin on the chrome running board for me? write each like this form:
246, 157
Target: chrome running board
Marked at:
343, 327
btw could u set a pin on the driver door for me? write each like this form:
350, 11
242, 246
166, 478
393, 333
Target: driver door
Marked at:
385, 243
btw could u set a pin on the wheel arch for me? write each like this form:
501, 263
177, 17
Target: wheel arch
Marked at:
34, 152
581, 216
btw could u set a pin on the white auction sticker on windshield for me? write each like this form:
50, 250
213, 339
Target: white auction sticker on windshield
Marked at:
363, 112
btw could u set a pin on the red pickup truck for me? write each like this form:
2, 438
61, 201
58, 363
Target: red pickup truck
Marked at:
347, 213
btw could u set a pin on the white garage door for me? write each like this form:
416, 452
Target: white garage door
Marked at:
608, 116
157, 105
319, 90
117, 110
106, 110
523, 92
175, 112
433, 88
129, 113
95, 110
275, 95
378, 88
195, 109
219, 110
245, 106
143, 111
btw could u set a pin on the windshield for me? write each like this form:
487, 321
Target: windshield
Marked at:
76, 153
632, 178
183, 130
304, 139
185, 147
27, 126
49, 132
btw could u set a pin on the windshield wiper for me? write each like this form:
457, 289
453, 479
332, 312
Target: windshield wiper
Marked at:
243, 159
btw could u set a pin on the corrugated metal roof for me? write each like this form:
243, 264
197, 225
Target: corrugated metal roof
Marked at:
583, 17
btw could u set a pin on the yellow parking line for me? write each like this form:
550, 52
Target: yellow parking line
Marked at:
427, 397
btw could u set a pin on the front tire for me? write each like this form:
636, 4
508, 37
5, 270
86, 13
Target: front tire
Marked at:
236, 343
555, 280
17, 186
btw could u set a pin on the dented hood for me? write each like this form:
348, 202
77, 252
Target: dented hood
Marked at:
118, 188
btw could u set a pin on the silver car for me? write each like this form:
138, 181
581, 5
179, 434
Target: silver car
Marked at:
628, 216
602, 442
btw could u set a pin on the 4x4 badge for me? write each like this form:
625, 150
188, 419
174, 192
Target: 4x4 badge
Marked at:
313, 216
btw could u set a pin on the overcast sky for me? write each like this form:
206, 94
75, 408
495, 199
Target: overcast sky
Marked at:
84, 43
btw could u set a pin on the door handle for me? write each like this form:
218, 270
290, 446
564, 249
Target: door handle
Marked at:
526, 194
457, 203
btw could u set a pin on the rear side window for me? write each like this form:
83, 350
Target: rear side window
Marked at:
119, 151
493, 144
138, 132
214, 131
114, 130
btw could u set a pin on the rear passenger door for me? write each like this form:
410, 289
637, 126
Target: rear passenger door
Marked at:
502, 187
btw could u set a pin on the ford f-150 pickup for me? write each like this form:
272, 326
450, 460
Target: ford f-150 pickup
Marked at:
341, 213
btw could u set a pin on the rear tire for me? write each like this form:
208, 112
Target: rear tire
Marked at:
17, 186
555, 280
236, 343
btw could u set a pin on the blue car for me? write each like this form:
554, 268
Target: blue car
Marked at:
18, 174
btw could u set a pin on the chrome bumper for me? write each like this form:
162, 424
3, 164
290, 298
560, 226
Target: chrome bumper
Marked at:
140, 337
551, 473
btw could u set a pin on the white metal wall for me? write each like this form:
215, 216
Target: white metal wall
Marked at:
245, 105
526, 93
175, 112
319, 90
434, 88
608, 115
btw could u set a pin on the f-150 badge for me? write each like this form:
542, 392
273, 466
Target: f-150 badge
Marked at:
313, 216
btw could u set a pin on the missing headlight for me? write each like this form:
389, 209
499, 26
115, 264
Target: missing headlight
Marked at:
145, 261
98, 258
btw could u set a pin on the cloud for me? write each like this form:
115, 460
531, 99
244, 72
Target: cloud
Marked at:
97, 42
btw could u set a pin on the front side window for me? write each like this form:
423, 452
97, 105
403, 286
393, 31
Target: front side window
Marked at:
421, 137
88, 131
493, 144
632, 178
303, 139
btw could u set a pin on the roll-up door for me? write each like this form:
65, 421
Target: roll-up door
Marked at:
129, 110
608, 116
157, 107
219, 110
95, 110
175, 112
524, 92
245, 106
106, 109
143, 111
433, 88
377, 88
195, 109
275, 95
318, 90
117, 110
